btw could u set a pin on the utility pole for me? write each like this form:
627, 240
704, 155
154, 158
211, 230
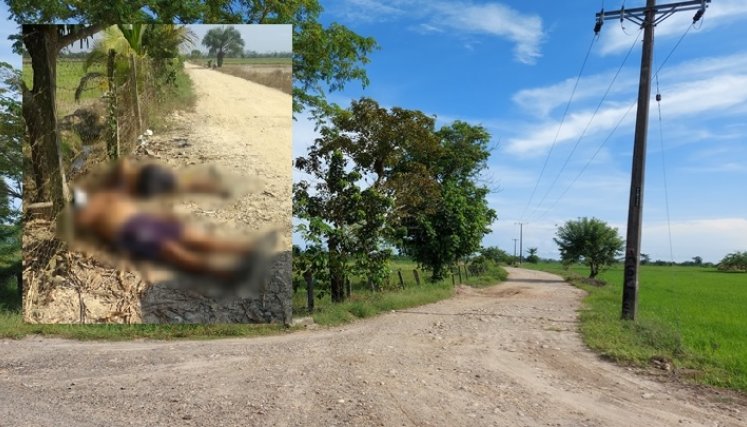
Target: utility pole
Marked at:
521, 242
647, 17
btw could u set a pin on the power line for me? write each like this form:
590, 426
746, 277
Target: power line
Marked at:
588, 124
562, 120
609, 136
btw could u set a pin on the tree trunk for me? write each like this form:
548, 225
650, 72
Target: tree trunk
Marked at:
309, 278
40, 114
220, 58
594, 271
336, 273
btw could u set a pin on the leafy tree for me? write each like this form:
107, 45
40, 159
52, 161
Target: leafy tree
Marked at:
736, 261
12, 131
496, 255
645, 259
697, 261
223, 41
589, 240
331, 207
532, 256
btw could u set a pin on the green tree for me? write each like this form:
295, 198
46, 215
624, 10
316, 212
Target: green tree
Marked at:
497, 255
330, 208
532, 256
12, 131
697, 260
736, 261
223, 41
589, 240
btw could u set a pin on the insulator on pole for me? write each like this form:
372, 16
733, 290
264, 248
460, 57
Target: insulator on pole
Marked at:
599, 23
658, 97
698, 15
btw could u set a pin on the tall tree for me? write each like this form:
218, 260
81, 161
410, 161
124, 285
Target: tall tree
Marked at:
591, 241
450, 226
12, 131
331, 206
223, 41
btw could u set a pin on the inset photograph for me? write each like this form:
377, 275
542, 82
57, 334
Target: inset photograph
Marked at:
157, 174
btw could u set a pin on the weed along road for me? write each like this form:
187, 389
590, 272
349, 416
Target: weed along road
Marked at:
507, 355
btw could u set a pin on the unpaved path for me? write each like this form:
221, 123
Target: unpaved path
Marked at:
507, 355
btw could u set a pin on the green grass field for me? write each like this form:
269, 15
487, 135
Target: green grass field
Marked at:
247, 61
695, 317
69, 72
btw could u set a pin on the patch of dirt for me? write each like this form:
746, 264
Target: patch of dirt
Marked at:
509, 355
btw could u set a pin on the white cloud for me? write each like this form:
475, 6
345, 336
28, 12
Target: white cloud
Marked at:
459, 18
696, 87
498, 20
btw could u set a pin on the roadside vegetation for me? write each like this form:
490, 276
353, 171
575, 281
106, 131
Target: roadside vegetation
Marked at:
364, 302
690, 319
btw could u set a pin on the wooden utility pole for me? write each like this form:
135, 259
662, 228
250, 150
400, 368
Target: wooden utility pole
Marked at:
521, 242
647, 17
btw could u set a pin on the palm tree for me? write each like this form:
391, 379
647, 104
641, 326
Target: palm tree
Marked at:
222, 41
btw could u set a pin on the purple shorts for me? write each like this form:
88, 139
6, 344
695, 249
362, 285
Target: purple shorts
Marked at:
143, 236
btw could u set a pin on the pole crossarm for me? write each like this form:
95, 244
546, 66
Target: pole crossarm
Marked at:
661, 12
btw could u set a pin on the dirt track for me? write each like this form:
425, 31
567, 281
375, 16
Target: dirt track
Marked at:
507, 355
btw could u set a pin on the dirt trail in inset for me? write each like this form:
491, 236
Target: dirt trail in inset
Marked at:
509, 355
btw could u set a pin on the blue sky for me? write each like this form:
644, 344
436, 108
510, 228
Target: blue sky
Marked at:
511, 66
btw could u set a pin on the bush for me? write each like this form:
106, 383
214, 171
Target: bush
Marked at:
736, 261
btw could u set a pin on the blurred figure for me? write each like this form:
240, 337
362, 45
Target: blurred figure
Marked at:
150, 179
115, 218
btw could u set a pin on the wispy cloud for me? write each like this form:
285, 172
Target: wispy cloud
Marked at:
494, 19
698, 87
457, 18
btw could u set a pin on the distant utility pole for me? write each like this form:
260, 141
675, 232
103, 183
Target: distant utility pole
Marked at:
515, 248
521, 242
647, 17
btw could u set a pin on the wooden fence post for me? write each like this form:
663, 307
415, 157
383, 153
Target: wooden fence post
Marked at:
452, 280
112, 141
401, 281
309, 290
417, 277
133, 78
347, 286
459, 270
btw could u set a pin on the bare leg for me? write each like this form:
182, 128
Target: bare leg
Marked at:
201, 241
181, 257
202, 185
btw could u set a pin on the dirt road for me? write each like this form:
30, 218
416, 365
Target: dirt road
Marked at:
507, 356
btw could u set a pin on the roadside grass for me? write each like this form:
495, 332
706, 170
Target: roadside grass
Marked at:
362, 304
692, 317
365, 303
246, 61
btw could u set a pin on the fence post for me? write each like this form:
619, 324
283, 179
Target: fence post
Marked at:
417, 277
452, 279
466, 273
459, 270
112, 142
401, 281
347, 286
309, 290
133, 78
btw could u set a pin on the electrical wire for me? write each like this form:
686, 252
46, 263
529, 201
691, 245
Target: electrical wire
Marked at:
656, 76
565, 112
588, 124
